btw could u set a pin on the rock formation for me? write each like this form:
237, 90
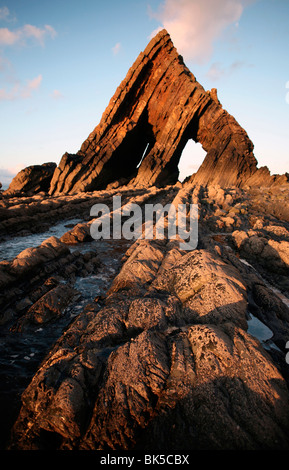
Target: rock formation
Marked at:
142, 133
162, 357
156, 109
32, 179
127, 344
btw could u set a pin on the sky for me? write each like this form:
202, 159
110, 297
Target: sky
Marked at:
62, 60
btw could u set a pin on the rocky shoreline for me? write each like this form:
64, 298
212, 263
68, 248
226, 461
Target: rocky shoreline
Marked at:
140, 344
162, 352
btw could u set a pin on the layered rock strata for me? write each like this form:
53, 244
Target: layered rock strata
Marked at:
140, 138
165, 356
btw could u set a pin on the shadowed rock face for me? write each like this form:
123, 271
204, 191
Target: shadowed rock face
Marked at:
157, 108
32, 179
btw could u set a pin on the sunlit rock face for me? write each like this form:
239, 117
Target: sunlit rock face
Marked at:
156, 109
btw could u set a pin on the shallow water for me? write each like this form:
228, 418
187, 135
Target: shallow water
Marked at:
258, 329
261, 332
13, 246
19, 350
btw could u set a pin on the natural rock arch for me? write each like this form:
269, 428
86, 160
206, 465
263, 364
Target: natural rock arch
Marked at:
142, 133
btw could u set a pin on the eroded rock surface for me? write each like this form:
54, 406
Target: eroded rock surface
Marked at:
150, 368
165, 358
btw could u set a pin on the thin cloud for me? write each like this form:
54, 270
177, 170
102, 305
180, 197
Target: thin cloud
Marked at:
116, 49
28, 31
31, 86
217, 71
57, 95
19, 37
4, 13
4, 64
19, 91
6, 16
7, 37
7, 174
194, 26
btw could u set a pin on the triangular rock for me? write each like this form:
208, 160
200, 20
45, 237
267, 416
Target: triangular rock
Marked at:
156, 109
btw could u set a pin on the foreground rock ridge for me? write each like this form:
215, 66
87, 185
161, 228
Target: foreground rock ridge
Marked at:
162, 354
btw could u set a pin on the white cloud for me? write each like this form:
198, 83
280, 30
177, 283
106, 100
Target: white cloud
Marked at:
20, 35
19, 91
116, 48
195, 25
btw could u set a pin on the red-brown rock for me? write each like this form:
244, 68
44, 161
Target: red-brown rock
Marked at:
157, 108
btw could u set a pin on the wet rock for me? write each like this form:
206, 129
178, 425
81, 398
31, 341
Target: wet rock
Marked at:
49, 307
31, 262
78, 234
36, 271
272, 311
273, 255
30, 258
163, 359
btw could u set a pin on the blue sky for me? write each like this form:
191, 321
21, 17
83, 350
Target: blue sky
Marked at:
61, 61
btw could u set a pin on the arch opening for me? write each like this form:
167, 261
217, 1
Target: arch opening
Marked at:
191, 159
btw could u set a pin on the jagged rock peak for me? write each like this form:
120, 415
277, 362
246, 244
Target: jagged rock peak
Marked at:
156, 109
